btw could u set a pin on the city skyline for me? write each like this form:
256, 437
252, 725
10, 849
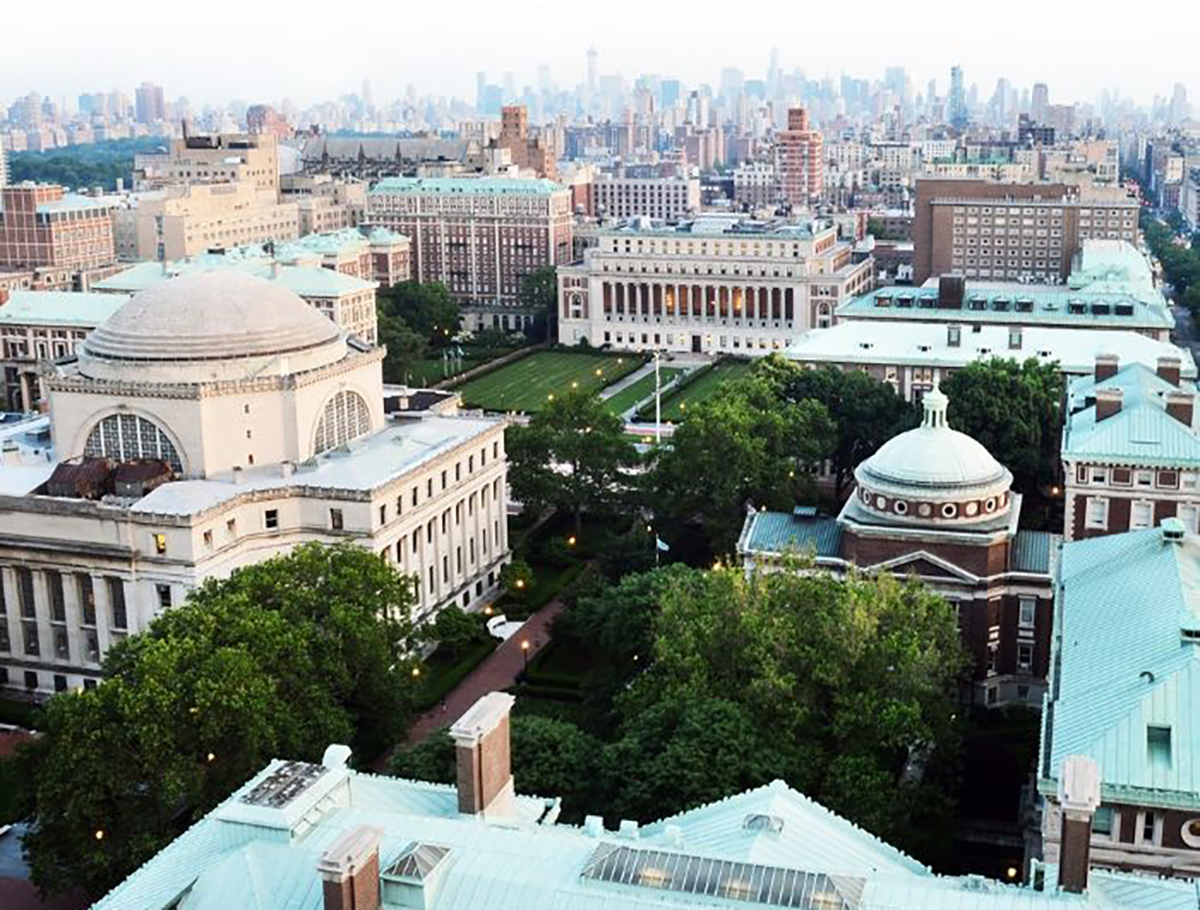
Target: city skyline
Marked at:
662, 43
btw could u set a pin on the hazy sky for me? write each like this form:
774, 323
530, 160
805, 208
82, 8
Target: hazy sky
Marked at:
310, 51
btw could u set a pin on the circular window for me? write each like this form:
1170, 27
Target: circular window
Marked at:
990, 505
880, 502
949, 510
1190, 832
971, 508
901, 507
924, 510
866, 496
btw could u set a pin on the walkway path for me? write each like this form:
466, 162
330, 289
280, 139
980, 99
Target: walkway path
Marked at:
498, 671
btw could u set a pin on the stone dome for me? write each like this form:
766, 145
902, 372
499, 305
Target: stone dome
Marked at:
934, 473
214, 315
210, 326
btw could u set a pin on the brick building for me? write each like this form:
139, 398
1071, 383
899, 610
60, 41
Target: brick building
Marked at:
1131, 449
1125, 693
528, 152
800, 160
479, 236
41, 227
1013, 231
933, 503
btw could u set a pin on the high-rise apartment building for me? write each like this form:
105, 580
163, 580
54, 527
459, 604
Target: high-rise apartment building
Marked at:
1039, 102
43, 227
528, 152
479, 236
150, 104
800, 160
1013, 231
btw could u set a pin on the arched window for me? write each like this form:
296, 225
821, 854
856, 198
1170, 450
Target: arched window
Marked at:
127, 437
345, 417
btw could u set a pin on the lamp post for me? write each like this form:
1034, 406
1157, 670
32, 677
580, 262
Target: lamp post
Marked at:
657, 399
525, 653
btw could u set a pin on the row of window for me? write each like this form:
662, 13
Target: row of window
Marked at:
1127, 477
32, 680
1141, 514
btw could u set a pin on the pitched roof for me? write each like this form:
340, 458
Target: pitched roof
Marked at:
783, 532
1123, 665
1141, 433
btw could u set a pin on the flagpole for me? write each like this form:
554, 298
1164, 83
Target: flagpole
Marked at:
657, 405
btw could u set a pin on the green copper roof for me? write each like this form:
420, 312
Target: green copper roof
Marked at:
1141, 433
60, 308
1125, 688
749, 850
783, 532
305, 280
496, 186
1031, 551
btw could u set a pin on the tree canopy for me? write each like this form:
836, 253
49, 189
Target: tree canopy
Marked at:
539, 292
742, 447
1014, 410
280, 659
573, 456
866, 413
426, 308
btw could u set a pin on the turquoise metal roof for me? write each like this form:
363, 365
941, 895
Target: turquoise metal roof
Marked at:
1141, 433
781, 532
1123, 666
1031, 551
502, 186
305, 280
264, 856
62, 308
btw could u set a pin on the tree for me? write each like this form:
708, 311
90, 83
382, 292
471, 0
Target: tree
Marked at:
516, 577
573, 456
866, 412
682, 752
807, 656
404, 346
539, 292
427, 308
454, 629
1014, 410
742, 447
282, 658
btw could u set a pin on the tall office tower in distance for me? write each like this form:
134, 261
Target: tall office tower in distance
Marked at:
589, 99
150, 104
799, 153
957, 112
1039, 102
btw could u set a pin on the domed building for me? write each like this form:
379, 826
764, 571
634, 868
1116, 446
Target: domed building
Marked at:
934, 503
215, 420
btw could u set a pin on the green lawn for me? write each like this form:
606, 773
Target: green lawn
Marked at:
675, 405
425, 372
639, 391
527, 384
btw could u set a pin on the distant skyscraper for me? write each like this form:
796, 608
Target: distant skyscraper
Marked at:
1039, 101
957, 110
800, 160
1178, 110
368, 106
591, 87
672, 91
480, 92
150, 104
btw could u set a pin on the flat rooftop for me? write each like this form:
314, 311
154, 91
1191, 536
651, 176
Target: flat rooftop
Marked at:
69, 309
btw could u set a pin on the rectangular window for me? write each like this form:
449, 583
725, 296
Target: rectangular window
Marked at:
1099, 475
1024, 657
1189, 515
164, 595
1149, 826
58, 602
231, 528
5, 644
1144, 478
271, 519
335, 519
62, 647
1103, 822
208, 540
160, 544
1158, 746
1141, 515
383, 514
32, 646
25, 593
92, 642
1028, 612
414, 496
1097, 513
116, 598
87, 599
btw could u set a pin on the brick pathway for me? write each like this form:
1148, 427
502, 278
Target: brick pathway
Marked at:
498, 671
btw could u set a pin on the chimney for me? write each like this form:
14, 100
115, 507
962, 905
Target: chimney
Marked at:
485, 784
350, 871
954, 336
1108, 403
1106, 366
286, 469
1014, 338
951, 291
1079, 796
1180, 405
3, 296
238, 474
1168, 369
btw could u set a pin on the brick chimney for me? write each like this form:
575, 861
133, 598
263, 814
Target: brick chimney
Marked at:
350, 870
481, 739
1108, 403
1106, 366
1168, 369
1180, 405
1079, 797
3, 296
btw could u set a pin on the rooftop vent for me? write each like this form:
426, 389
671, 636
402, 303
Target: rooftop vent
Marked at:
772, 824
1173, 530
418, 861
289, 781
